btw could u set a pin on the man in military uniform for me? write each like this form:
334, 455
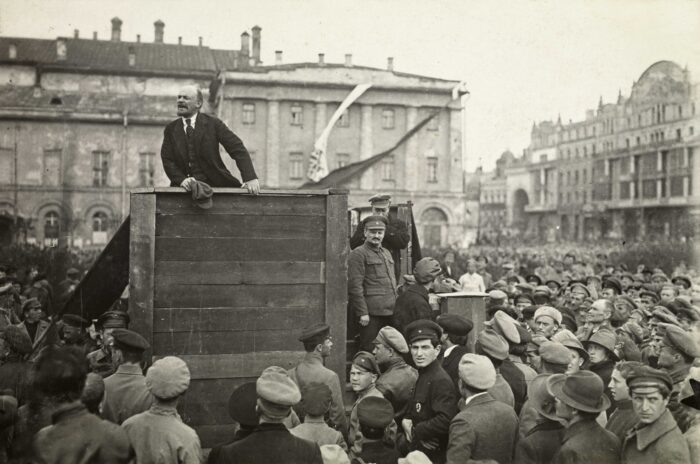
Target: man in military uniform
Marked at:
374, 414
425, 426
371, 282
398, 378
126, 393
100, 360
73, 333
396, 237
318, 344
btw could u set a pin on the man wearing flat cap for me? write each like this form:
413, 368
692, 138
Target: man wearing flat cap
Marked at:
371, 282
374, 415
100, 360
73, 333
396, 237
398, 378
425, 426
656, 438
271, 442
611, 288
126, 393
318, 344
455, 330
579, 399
158, 434
484, 428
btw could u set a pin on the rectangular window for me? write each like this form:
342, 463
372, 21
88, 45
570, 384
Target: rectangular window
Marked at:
343, 159
576, 178
649, 163
100, 168
678, 135
344, 120
677, 186
432, 169
624, 164
249, 113
649, 188
6, 165
147, 168
691, 130
296, 165
388, 168
297, 113
624, 190
51, 174
388, 119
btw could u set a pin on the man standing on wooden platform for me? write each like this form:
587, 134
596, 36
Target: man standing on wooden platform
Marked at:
371, 282
318, 344
190, 150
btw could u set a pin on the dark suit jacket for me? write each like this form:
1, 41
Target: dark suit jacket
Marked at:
451, 362
540, 444
483, 429
267, 444
209, 132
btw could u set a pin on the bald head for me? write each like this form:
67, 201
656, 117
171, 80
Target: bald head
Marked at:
600, 311
189, 101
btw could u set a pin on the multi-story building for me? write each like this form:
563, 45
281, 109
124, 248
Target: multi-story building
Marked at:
626, 171
81, 123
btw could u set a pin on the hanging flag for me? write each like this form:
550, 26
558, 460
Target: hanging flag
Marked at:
318, 162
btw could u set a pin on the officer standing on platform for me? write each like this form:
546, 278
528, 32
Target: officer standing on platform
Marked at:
371, 283
396, 237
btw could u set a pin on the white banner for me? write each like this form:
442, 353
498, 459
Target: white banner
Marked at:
318, 162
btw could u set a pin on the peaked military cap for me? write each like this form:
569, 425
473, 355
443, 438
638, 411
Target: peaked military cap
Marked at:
129, 339
74, 320
111, 319
648, 377
376, 222
423, 329
366, 361
316, 333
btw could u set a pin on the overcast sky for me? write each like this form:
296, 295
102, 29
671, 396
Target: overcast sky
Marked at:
523, 61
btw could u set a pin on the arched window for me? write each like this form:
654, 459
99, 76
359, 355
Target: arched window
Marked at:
99, 228
52, 228
434, 222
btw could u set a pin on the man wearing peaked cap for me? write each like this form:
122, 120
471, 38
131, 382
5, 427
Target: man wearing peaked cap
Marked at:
484, 428
372, 286
159, 435
396, 237
363, 377
455, 328
73, 333
678, 352
375, 414
611, 288
656, 438
100, 360
271, 441
579, 399
433, 403
398, 378
682, 282
318, 345
126, 393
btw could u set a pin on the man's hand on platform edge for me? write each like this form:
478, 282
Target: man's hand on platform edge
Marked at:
187, 183
253, 186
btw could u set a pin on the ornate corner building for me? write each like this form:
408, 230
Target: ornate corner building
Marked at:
629, 170
81, 123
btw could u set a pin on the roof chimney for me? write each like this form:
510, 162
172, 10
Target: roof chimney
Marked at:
132, 56
179, 40
256, 44
12, 52
61, 50
201, 42
245, 43
138, 38
348, 59
390, 63
159, 28
94, 35
278, 56
321, 58
116, 29
76, 33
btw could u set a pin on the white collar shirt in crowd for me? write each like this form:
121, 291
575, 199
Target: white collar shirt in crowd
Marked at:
472, 283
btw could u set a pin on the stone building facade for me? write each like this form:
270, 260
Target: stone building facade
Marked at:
629, 170
81, 123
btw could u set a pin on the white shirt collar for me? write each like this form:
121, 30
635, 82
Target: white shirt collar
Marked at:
193, 121
469, 400
449, 350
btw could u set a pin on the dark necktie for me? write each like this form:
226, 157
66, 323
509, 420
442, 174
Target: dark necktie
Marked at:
190, 139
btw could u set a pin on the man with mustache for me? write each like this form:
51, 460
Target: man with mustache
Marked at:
190, 150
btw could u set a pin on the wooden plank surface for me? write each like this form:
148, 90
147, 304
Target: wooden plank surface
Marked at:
223, 342
246, 205
268, 296
236, 319
243, 365
141, 259
237, 272
239, 249
232, 225
336, 293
